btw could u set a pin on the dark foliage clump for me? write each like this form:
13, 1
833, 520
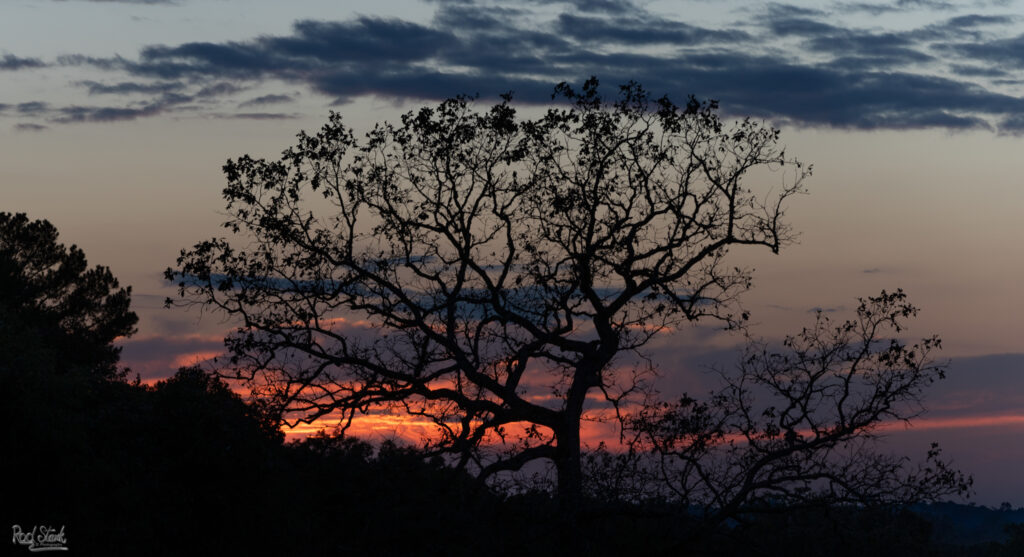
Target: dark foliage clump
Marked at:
55, 312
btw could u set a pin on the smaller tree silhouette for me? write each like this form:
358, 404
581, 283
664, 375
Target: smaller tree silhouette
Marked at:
55, 312
797, 426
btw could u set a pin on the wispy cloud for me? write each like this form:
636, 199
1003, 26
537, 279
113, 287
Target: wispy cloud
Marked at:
258, 116
160, 105
265, 100
1007, 52
11, 62
172, 2
129, 87
32, 107
635, 31
29, 127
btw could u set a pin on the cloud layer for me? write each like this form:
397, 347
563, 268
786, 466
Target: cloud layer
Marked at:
792, 65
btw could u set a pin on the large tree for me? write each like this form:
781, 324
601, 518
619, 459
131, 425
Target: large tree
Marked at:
56, 313
507, 267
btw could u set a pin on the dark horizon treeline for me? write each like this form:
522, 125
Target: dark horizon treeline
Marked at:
186, 466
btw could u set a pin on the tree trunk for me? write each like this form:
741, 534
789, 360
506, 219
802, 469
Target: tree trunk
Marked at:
567, 464
570, 484
567, 453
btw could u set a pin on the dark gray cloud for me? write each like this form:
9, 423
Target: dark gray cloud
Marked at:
490, 38
12, 62
129, 87
822, 95
976, 71
29, 127
814, 27
315, 46
641, 31
588, 6
932, 76
259, 116
775, 10
32, 107
473, 19
898, 6
853, 48
868, 7
114, 63
1012, 125
800, 25
130, 1
78, 114
975, 20
999, 52
600, 6
925, 4
220, 89
968, 27
265, 100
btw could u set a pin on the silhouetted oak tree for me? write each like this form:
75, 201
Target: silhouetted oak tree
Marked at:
796, 425
502, 264
55, 312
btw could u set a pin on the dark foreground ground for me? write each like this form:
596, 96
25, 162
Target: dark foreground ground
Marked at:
186, 468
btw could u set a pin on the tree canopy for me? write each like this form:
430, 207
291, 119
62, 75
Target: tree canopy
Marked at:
503, 264
797, 424
55, 311
508, 274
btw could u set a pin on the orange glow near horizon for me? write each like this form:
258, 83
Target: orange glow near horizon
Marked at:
195, 358
598, 426
601, 428
370, 426
211, 337
331, 322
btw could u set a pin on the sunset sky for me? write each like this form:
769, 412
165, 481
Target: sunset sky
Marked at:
116, 117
